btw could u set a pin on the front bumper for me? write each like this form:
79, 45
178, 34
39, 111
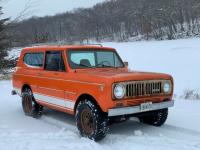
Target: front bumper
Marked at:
137, 109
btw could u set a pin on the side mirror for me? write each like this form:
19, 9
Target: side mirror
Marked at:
126, 64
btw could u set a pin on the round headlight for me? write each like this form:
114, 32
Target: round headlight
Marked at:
167, 87
119, 91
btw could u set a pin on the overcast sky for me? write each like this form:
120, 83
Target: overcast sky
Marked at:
12, 8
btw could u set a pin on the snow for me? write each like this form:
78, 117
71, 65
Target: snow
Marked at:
14, 53
138, 133
57, 131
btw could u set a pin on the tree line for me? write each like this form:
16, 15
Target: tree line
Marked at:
113, 20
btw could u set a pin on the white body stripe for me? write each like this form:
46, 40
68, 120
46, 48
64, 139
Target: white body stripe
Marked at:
54, 100
66, 103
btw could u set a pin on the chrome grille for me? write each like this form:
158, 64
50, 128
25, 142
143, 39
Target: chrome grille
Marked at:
143, 88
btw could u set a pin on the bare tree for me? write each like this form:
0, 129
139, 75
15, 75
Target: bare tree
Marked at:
116, 20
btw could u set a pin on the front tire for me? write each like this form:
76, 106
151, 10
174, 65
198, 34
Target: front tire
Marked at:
155, 118
30, 106
91, 121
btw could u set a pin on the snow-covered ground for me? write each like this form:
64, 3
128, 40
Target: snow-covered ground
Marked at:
57, 131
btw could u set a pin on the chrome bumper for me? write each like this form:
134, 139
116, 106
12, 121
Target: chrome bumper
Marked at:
137, 109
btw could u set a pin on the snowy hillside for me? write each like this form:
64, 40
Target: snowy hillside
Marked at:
57, 131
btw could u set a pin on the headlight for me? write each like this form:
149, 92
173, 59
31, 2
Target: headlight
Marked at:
119, 91
167, 87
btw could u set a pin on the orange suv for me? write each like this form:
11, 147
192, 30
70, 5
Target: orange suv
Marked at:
91, 83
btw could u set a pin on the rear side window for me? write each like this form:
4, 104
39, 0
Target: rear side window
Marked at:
34, 59
54, 61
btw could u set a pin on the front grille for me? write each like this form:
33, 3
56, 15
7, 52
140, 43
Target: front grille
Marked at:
143, 88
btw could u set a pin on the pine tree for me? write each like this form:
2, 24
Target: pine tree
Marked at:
3, 41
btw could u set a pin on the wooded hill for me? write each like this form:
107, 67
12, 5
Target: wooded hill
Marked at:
113, 20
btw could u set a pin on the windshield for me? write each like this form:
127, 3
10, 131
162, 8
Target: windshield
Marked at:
94, 59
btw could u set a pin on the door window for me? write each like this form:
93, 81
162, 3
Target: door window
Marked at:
54, 61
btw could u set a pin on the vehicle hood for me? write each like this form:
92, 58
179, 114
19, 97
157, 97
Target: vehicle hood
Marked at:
119, 75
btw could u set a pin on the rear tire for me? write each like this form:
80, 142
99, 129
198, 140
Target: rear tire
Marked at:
30, 106
91, 121
156, 118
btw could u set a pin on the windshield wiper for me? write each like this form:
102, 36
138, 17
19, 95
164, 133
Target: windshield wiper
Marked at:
83, 65
107, 66
103, 66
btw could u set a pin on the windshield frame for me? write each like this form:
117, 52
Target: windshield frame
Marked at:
95, 55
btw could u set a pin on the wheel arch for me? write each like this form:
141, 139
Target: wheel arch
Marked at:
83, 97
25, 86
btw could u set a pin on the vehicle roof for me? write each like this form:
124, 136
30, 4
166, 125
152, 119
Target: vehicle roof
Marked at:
67, 47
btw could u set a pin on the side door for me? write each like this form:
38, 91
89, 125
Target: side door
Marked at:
52, 84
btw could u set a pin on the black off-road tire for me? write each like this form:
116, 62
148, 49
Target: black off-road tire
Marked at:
30, 106
91, 121
156, 118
